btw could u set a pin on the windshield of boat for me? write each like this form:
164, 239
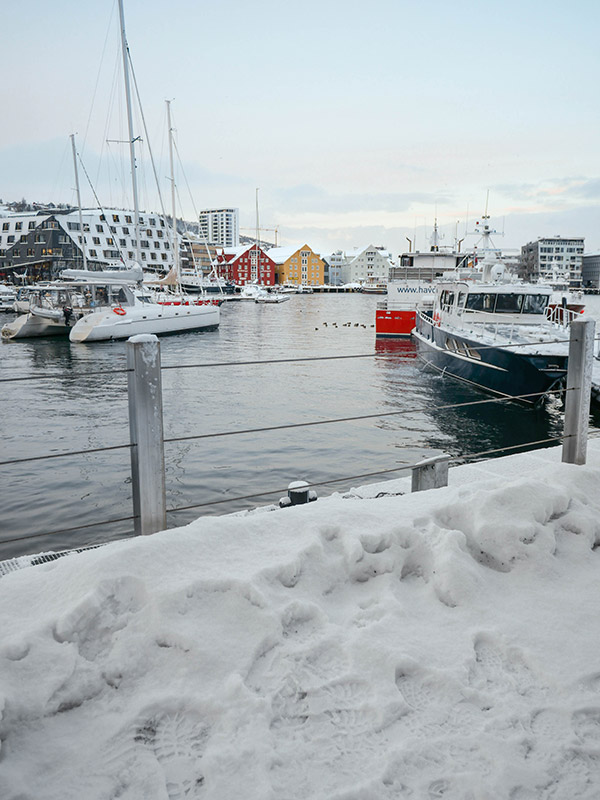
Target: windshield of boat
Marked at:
507, 303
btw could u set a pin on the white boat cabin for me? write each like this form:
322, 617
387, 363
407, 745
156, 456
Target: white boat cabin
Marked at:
465, 303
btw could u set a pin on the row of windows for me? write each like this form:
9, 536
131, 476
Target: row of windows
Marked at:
75, 226
18, 226
506, 303
45, 251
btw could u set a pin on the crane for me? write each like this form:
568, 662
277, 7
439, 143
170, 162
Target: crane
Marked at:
274, 230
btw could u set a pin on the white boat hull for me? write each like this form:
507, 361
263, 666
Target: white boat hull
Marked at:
31, 325
106, 324
272, 298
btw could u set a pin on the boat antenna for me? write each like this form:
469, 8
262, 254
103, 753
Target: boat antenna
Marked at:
85, 266
132, 140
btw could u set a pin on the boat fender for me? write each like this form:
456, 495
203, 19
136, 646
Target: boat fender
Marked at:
120, 311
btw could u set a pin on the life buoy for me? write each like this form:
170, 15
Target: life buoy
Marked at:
437, 320
120, 311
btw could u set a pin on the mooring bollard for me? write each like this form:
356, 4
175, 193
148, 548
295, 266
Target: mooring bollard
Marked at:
579, 390
146, 432
431, 473
298, 494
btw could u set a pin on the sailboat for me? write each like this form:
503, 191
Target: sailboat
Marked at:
136, 311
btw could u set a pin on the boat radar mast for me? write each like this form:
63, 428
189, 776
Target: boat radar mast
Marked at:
485, 232
435, 238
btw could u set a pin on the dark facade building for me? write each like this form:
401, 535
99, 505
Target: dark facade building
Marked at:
590, 271
35, 247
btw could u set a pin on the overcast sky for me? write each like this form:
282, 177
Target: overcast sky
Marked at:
358, 122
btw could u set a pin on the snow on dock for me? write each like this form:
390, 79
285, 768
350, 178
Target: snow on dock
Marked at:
367, 646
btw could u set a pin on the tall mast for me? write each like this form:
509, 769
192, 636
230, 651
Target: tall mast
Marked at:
257, 237
125, 50
174, 205
85, 266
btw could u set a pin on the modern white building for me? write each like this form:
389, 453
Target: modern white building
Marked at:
220, 226
45, 242
555, 261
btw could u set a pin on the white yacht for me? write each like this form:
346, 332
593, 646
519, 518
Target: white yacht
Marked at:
97, 306
269, 296
52, 310
137, 314
129, 310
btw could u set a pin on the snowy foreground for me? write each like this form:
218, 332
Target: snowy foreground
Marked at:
444, 644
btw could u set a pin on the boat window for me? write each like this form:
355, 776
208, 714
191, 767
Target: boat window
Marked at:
475, 302
461, 299
509, 303
450, 344
472, 353
535, 303
446, 299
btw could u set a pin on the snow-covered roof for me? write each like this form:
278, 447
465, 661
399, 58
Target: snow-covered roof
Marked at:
281, 254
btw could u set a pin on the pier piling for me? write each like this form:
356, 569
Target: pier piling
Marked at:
146, 431
579, 389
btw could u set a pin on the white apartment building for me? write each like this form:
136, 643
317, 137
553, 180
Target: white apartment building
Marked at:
52, 240
220, 226
365, 264
555, 260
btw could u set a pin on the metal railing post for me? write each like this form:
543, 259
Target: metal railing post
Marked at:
579, 389
432, 473
146, 431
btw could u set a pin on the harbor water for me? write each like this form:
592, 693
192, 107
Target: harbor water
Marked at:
75, 399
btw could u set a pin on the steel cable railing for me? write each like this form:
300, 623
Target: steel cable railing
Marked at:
292, 425
81, 527
278, 491
399, 468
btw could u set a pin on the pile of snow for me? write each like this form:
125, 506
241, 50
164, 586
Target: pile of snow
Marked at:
444, 644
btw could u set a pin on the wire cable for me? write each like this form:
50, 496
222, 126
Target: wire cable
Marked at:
63, 455
401, 412
399, 468
68, 530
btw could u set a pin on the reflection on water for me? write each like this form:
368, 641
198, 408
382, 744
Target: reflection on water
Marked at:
65, 407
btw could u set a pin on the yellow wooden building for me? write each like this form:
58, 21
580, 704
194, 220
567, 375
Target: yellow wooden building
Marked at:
298, 266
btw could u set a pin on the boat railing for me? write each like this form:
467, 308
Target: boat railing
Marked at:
144, 373
561, 316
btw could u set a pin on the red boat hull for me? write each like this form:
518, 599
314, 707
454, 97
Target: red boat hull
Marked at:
392, 324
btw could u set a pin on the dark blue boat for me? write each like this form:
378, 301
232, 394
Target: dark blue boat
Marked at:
498, 337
